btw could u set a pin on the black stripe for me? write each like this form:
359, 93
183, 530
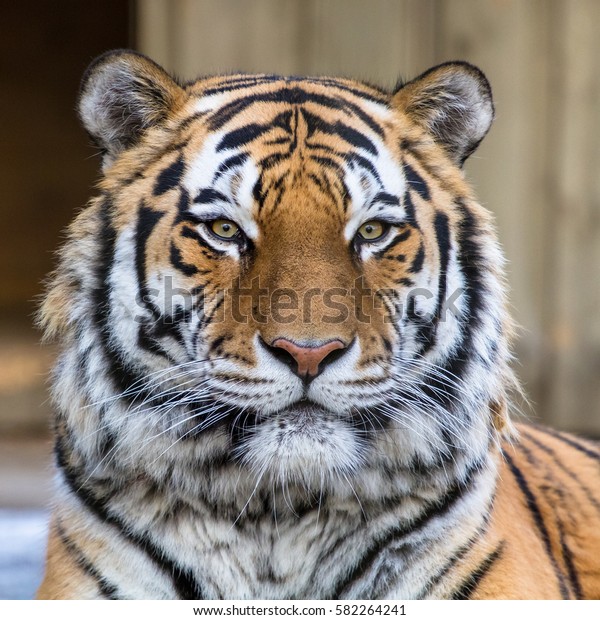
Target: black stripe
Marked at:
183, 580
270, 161
243, 135
326, 162
569, 562
279, 194
121, 375
147, 221
156, 156
235, 161
387, 344
169, 177
320, 183
293, 129
183, 203
208, 318
316, 124
245, 81
177, 261
435, 509
168, 325
423, 159
417, 263
279, 141
471, 583
293, 96
162, 325
471, 263
190, 233
555, 457
362, 94
208, 195
400, 237
539, 522
241, 81
415, 181
442, 235
258, 192
456, 557
362, 162
216, 344
186, 122
107, 589
570, 441
427, 327
387, 199
409, 208
148, 343
401, 258
566, 551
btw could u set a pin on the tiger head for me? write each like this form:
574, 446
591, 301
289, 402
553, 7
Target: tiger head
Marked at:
284, 279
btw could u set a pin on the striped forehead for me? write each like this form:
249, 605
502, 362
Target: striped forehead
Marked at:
221, 184
254, 123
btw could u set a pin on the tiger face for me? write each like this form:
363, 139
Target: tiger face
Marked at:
290, 280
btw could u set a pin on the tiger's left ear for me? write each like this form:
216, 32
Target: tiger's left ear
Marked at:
453, 102
123, 93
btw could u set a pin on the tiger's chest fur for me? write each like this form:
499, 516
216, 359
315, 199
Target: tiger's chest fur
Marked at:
532, 534
275, 549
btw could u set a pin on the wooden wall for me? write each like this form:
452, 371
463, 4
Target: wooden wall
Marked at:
538, 170
47, 169
47, 173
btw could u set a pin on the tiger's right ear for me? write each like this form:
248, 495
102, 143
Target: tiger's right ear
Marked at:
453, 102
122, 94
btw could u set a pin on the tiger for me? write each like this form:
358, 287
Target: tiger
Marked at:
285, 365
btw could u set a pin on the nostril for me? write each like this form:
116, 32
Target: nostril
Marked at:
281, 354
334, 355
306, 360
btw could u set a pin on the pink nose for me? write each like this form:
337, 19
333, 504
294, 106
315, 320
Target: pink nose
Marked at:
308, 358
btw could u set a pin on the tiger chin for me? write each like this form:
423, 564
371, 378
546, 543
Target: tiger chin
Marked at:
285, 354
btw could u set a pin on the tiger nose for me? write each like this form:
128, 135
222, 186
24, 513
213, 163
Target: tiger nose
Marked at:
307, 358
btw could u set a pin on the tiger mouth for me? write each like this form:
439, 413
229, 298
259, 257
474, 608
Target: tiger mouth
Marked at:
299, 416
303, 407
304, 410
304, 413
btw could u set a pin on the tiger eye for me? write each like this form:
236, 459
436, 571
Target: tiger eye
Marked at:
225, 229
373, 230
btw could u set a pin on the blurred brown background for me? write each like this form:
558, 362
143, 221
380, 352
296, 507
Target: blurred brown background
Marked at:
538, 170
47, 171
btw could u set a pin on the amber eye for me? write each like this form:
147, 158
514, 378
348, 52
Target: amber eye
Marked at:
224, 229
372, 230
